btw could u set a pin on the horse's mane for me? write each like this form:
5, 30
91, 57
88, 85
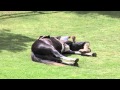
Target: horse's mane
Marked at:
44, 37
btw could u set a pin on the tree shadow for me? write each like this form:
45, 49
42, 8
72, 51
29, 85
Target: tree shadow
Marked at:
22, 14
112, 14
13, 42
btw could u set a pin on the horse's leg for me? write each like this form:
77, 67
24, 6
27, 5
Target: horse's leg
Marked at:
89, 54
72, 52
46, 59
63, 58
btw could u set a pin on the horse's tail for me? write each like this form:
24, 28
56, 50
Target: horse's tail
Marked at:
37, 59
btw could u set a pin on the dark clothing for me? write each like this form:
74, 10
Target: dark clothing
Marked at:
78, 45
75, 46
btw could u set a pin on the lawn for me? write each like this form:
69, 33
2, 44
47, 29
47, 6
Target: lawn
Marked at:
19, 29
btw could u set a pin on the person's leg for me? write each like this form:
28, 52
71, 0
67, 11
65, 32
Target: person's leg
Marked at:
86, 48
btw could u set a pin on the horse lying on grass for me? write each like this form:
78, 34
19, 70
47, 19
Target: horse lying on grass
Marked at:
50, 50
46, 49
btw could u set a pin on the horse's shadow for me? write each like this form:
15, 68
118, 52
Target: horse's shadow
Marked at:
13, 42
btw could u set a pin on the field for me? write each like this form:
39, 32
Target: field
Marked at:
19, 29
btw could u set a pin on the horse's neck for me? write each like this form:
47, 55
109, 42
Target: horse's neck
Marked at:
59, 45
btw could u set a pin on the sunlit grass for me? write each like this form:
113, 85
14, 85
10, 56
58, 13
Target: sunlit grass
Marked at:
101, 29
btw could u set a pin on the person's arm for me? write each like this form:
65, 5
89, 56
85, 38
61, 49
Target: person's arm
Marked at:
73, 39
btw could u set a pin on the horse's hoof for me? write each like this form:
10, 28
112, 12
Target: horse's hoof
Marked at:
94, 55
76, 60
76, 64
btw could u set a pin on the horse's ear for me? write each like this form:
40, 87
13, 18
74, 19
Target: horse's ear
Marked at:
58, 37
40, 37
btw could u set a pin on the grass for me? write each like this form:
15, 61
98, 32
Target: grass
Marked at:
18, 30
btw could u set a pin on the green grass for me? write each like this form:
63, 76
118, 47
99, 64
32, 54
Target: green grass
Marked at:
19, 31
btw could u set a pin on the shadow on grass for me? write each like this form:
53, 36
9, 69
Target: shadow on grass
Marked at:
13, 42
113, 14
22, 14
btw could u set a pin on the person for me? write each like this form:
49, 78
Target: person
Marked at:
83, 47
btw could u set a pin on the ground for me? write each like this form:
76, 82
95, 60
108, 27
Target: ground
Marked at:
18, 30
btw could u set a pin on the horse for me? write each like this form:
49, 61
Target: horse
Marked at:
47, 49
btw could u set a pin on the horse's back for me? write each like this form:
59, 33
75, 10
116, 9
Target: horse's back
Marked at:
43, 46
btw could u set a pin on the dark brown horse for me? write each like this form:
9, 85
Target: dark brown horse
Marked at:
48, 49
